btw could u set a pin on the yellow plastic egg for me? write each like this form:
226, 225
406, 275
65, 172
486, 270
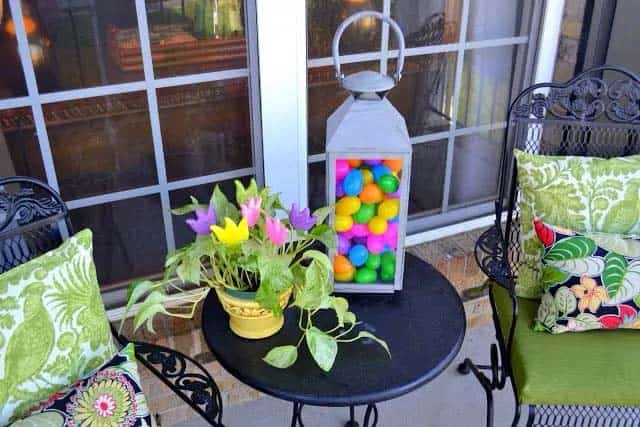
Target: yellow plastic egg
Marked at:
346, 276
348, 205
377, 225
344, 222
389, 208
367, 176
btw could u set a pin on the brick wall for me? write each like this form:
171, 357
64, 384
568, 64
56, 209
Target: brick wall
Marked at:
452, 256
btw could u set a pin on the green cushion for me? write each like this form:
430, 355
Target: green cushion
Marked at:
590, 368
53, 325
582, 193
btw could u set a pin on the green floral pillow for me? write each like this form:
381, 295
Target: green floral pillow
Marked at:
581, 193
53, 326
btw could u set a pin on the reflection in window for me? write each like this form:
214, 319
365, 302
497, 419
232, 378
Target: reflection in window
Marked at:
12, 83
426, 23
427, 177
483, 24
19, 150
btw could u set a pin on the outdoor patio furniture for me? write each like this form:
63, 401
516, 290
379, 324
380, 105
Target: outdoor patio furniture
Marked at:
424, 326
34, 220
596, 114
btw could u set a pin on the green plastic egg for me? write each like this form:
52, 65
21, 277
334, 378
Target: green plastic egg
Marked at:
373, 261
388, 183
366, 275
365, 213
388, 257
387, 271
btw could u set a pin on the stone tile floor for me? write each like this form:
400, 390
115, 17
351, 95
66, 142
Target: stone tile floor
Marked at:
451, 400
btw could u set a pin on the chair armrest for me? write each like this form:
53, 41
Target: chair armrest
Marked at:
491, 257
185, 377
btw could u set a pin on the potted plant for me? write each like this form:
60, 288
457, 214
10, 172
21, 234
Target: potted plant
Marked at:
254, 256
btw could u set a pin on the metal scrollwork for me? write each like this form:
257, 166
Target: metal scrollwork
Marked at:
22, 208
175, 369
490, 256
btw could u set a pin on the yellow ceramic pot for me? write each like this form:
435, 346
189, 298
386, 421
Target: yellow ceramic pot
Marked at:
246, 318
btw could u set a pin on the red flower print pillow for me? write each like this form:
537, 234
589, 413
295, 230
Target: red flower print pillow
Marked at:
591, 281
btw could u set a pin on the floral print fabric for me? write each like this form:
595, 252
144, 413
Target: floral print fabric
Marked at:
588, 286
111, 397
587, 194
53, 325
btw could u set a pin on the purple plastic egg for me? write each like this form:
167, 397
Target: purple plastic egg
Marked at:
347, 234
359, 230
394, 195
375, 243
372, 162
360, 240
339, 189
342, 168
343, 244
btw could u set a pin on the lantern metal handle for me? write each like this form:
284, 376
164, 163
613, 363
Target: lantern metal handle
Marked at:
363, 14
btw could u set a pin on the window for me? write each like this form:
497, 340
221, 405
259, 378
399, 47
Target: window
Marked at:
461, 68
127, 108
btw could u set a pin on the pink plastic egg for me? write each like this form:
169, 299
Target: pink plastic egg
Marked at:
375, 244
359, 230
342, 168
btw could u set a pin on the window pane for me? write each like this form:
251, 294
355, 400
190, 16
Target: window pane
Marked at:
128, 238
12, 82
427, 177
476, 163
205, 128
19, 150
486, 86
323, 18
195, 36
82, 44
426, 23
324, 96
317, 185
485, 24
101, 145
425, 92
183, 234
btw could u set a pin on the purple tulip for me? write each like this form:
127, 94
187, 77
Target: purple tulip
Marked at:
301, 219
203, 221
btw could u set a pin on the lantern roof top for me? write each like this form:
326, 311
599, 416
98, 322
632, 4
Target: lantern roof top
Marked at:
367, 126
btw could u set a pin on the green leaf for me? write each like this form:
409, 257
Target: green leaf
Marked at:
325, 235
151, 306
282, 357
636, 300
191, 207
615, 267
189, 270
223, 207
242, 193
323, 348
268, 298
547, 311
551, 276
365, 334
565, 301
341, 306
572, 248
321, 214
349, 318
585, 321
136, 290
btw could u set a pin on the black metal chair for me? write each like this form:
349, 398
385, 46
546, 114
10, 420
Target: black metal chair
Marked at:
595, 114
34, 220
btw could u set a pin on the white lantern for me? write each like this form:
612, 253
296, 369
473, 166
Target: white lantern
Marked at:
368, 168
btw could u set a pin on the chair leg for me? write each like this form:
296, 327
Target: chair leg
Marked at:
469, 367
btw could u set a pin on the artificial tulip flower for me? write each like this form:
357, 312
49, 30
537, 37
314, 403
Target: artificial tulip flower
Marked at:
203, 221
231, 234
276, 232
251, 210
301, 219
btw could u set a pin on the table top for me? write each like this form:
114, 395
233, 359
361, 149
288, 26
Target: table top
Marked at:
424, 325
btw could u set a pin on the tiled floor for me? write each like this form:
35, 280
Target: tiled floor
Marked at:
451, 400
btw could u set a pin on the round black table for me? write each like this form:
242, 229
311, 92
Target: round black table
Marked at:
424, 325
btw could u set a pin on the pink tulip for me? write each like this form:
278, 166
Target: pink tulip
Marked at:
251, 210
276, 232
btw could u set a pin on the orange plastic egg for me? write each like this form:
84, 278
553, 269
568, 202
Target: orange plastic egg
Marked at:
371, 193
341, 264
367, 176
344, 222
354, 163
345, 277
393, 164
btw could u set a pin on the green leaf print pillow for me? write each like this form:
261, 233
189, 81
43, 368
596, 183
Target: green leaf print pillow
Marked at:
53, 326
581, 193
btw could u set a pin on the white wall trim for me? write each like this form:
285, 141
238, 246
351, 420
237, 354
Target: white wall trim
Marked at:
450, 230
548, 41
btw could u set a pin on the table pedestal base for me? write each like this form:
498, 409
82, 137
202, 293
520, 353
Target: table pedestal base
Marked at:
370, 416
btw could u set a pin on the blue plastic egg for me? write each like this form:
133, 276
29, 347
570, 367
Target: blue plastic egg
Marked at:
358, 255
380, 170
352, 184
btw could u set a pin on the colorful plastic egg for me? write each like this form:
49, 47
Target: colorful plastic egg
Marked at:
388, 208
365, 213
343, 222
367, 176
344, 245
395, 219
393, 164
352, 184
358, 255
348, 205
387, 272
379, 171
360, 230
371, 193
366, 275
394, 195
354, 163
347, 234
375, 244
341, 264
339, 189
373, 261
342, 168
359, 241
388, 183
388, 257
377, 225
344, 277
372, 162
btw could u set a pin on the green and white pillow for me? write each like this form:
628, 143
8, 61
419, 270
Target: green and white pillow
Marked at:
53, 325
581, 193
